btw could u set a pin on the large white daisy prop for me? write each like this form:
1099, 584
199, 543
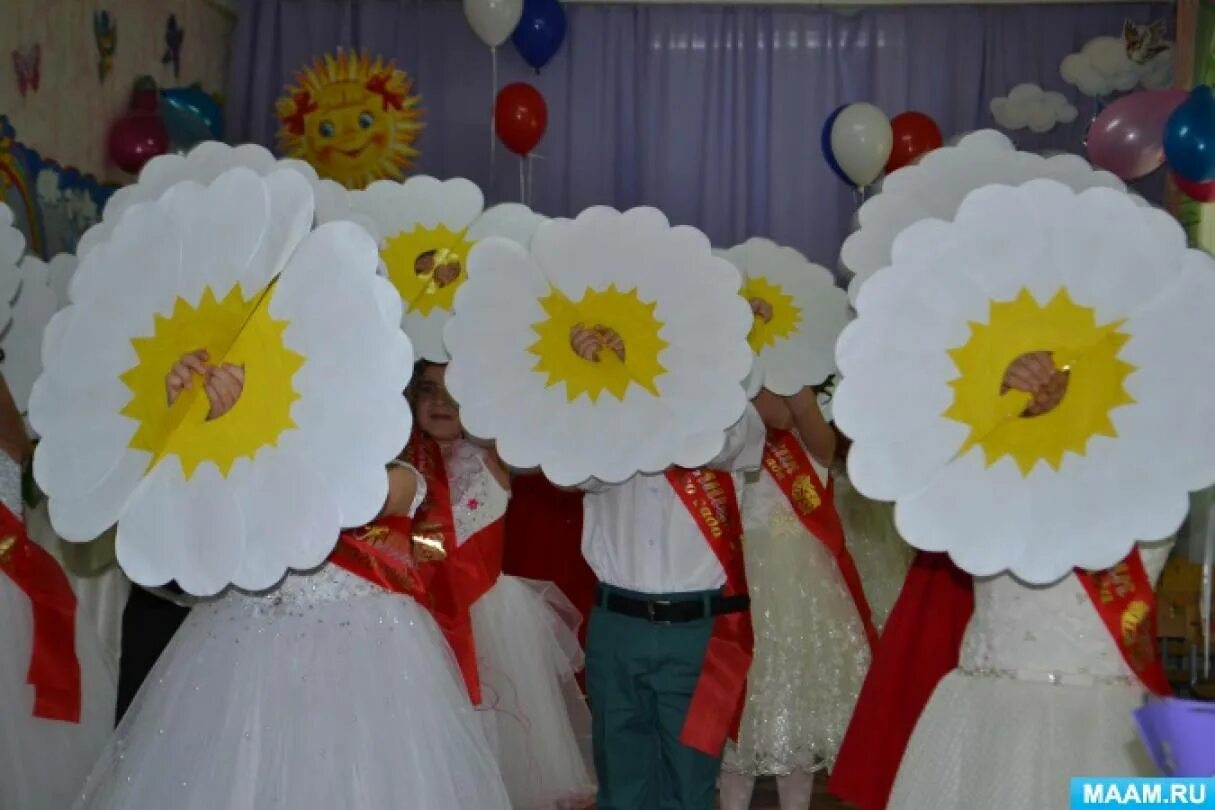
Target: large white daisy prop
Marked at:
1105, 285
203, 164
936, 186
233, 268
798, 314
426, 228
675, 307
42, 292
12, 246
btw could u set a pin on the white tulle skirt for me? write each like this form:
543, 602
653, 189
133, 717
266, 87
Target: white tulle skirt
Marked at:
532, 709
353, 704
811, 654
998, 742
43, 763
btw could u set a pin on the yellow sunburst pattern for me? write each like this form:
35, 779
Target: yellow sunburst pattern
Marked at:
233, 330
414, 260
352, 118
1071, 333
625, 312
786, 315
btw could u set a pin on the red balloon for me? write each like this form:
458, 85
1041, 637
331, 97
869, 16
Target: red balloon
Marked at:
914, 135
520, 117
136, 138
1196, 190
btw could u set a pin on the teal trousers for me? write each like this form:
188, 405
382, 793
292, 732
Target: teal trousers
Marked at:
640, 677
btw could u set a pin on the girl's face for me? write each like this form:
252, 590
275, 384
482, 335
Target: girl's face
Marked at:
437, 413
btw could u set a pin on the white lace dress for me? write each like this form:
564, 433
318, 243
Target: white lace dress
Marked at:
44, 762
1042, 694
527, 655
325, 693
811, 653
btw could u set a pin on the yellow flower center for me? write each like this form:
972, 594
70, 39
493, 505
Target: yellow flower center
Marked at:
786, 315
624, 312
232, 330
427, 267
1095, 385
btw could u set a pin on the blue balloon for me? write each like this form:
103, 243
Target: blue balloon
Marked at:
828, 152
191, 116
1189, 137
540, 32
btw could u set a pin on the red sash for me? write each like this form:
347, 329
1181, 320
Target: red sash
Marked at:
717, 701
786, 461
920, 646
467, 572
382, 554
1126, 601
54, 670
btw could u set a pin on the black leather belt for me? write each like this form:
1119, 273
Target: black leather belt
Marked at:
663, 611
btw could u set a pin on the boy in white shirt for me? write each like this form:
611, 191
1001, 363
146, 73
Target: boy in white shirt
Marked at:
669, 642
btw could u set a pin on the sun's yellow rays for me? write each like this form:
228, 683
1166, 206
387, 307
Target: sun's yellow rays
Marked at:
352, 118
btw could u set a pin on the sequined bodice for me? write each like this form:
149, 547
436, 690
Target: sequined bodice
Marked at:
10, 484
765, 506
477, 499
1045, 629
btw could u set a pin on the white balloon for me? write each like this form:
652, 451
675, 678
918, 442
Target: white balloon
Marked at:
861, 140
493, 20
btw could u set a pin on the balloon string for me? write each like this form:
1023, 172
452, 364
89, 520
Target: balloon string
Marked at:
531, 184
522, 182
493, 97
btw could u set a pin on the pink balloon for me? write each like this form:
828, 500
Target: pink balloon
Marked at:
1127, 138
136, 138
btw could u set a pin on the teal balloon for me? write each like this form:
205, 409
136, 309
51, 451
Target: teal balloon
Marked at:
191, 116
1189, 137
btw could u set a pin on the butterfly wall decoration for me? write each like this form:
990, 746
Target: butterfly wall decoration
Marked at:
105, 34
174, 36
28, 66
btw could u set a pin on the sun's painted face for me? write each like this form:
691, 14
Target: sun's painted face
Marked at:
352, 119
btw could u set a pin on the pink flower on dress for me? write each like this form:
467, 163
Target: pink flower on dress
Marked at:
473, 503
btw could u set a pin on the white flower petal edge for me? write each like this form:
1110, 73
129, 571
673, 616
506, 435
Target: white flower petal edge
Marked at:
1129, 483
12, 246
936, 186
36, 303
704, 322
390, 207
203, 164
807, 355
347, 422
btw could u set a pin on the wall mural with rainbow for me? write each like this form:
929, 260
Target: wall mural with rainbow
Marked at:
53, 204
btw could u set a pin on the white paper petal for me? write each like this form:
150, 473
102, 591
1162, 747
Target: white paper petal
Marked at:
1125, 262
191, 531
704, 324
225, 226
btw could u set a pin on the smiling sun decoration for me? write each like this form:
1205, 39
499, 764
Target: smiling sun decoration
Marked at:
353, 119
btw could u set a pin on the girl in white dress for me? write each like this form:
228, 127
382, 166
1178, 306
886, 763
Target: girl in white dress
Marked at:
43, 760
811, 644
524, 633
325, 692
1041, 694
1025, 686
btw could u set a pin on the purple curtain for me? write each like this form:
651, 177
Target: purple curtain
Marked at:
711, 113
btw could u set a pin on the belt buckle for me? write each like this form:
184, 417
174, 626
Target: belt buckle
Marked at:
651, 611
